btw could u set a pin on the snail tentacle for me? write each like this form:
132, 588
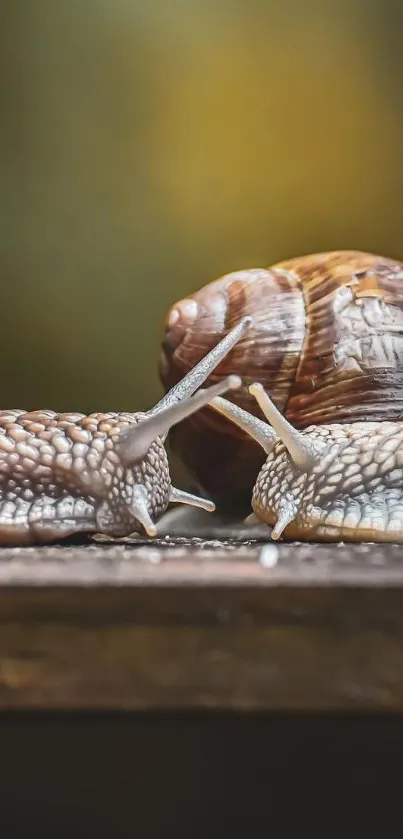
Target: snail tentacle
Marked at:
255, 427
287, 512
134, 442
179, 496
139, 510
201, 371
305, 453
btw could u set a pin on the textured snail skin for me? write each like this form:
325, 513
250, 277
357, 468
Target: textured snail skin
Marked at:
64, 474
327, 344
353, 492
60, 474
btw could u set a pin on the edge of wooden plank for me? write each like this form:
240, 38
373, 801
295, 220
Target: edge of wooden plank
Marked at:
201, 563
191, 627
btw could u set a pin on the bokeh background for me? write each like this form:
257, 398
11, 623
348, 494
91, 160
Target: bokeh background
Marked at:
148, 147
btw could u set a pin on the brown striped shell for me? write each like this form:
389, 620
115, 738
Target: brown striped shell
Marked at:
327, 344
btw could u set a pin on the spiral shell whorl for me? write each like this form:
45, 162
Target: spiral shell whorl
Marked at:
195, 324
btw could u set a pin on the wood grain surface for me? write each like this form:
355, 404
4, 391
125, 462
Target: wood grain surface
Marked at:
196, 624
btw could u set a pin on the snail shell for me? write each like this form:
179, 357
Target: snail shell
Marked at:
326, 343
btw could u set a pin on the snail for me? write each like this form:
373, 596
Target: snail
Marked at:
67, 474
326, 343
328, 482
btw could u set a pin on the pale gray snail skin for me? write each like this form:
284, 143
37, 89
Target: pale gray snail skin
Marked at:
333, 482
63, 474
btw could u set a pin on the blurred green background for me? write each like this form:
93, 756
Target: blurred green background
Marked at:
148, 147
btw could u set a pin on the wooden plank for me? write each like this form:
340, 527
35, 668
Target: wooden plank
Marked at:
193, 624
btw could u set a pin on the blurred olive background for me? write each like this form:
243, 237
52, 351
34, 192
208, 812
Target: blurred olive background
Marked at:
148, 147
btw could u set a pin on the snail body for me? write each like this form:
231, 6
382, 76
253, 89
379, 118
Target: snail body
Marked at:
326, 342
326, 483
64, 474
